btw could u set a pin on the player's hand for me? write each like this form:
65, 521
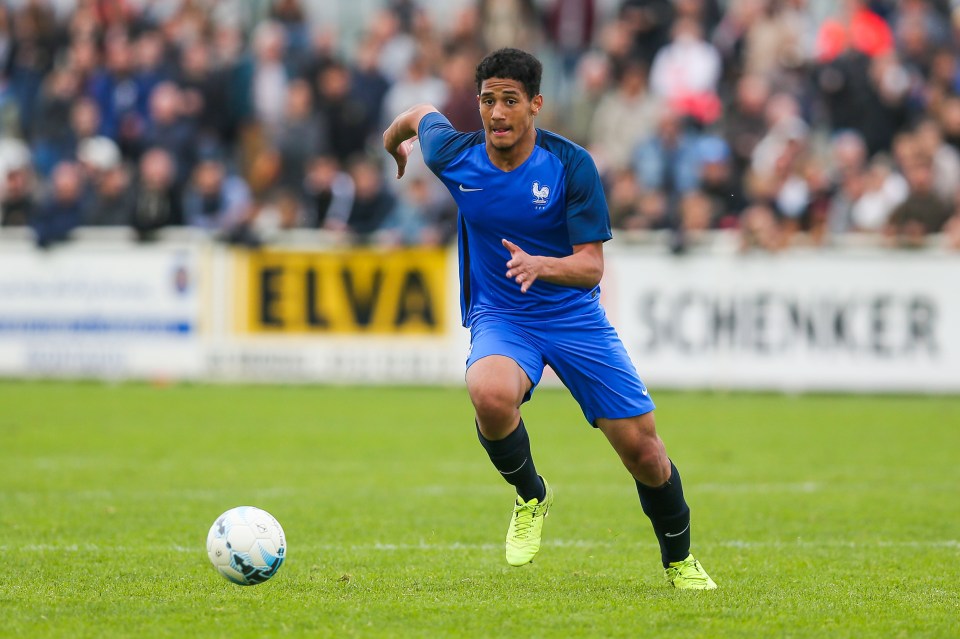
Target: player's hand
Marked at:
401, 154
522, 267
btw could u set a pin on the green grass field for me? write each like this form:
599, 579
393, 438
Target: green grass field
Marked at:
817, 515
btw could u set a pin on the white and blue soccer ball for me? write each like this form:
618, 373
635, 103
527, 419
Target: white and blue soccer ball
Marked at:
246, 545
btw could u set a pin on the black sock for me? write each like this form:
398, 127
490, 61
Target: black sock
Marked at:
511, 456
670, 516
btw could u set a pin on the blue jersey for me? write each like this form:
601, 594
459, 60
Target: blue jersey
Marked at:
545, 206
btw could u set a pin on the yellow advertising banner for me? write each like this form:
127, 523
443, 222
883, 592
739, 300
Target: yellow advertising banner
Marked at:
385, 292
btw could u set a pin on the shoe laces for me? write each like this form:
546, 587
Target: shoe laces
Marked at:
688, 570
524, 515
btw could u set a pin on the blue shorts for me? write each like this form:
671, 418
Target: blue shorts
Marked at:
583, 349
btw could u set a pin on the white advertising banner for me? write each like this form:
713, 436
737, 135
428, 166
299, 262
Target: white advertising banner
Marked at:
800, 321
883, 321
84, 310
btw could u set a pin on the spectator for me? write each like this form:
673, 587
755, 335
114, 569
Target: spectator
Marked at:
616, 45
950, 121
883, 190
263, 176
347, 117
855, 28
507, 23
745, 122
31, 58
779, 43
923, 212
591, 81
786, 134
204, 95
396, 46
279, 211
668, 160
706, 13
321, 51
218, 201
17, 183
84, 125
951, 231
696, 215
623, 198
685, 73
149, 51
53, 142
418, 85
170, 129
157, 199
759, 229
848, 180
423, 216
300, 136
779, 175
464, 33
112, 199
918, 30
569, 27
648, 22
119, 96
460, 105
270, 76
60, 210
329, 193
83, 60
98, 155
290, 15
372, 205
719, 185
368, 85
946, 159
626, 115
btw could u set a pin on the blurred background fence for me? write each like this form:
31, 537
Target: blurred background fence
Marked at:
856, 319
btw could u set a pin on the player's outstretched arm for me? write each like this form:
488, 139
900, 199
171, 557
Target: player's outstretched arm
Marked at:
583, 269
399, 137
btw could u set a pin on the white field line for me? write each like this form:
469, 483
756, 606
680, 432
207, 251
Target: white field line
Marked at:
948, 544
433, 490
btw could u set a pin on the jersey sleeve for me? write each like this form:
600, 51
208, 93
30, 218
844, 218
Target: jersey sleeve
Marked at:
588, 219
440, 143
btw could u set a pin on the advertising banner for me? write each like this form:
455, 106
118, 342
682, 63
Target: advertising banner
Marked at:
386, 292
337, 316
824, 321
82, 310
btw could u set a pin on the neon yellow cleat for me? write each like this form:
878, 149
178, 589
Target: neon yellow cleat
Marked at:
523, 535
689, 575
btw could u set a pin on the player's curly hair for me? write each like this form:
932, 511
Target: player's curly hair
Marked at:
511, 64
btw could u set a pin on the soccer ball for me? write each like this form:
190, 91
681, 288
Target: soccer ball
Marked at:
246, 545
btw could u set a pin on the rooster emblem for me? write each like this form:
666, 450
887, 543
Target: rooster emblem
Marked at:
540, 193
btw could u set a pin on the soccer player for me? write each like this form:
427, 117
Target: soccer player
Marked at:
533, 220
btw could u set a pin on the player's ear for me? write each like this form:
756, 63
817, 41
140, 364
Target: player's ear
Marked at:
536, 103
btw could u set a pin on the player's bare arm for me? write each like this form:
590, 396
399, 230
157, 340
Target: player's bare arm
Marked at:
399, 137
583, 269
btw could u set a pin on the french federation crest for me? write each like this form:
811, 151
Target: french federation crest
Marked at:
540, 194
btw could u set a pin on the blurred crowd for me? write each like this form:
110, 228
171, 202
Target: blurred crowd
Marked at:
752, 116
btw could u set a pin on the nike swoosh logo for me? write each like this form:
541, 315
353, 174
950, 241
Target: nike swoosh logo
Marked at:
518, 468
464, 189
644, 392
677, 534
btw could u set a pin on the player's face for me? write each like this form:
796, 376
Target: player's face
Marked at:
507, 113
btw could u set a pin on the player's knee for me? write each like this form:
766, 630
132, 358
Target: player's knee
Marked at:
649, 463
494, 404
